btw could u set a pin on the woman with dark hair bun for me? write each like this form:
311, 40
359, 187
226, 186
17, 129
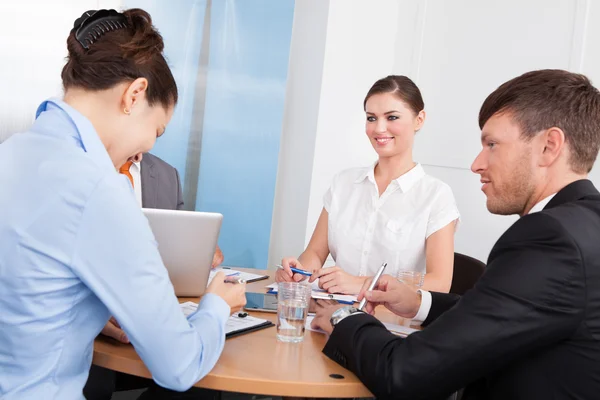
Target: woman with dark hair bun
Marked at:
75, 248
391, 212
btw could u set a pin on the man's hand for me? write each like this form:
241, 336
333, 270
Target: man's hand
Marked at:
397, 297
217, 258
113, 329
234, 294
336, 280
324, 310
286, 274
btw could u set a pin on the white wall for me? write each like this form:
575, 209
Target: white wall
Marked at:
297, 145
33, 44
323, 121
457, 52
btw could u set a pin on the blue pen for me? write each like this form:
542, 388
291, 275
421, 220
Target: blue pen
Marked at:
297, 271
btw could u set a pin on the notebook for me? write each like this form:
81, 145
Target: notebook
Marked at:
236, 325
246, 276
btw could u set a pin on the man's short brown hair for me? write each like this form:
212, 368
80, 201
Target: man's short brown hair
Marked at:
548, 98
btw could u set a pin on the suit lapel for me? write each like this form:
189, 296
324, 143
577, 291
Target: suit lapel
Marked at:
149, 182
572, 192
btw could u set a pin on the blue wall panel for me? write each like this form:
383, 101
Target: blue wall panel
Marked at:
250, 43
243, 110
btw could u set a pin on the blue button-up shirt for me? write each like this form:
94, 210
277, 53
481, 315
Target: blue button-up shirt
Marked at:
75, 248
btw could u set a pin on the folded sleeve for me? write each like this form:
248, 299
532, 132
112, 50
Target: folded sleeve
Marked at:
443, 210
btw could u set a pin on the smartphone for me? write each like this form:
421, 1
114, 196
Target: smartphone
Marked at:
261, 302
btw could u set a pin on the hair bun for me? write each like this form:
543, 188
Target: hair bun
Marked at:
145, 40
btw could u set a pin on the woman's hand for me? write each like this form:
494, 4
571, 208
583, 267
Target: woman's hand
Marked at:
286, 274
336, 280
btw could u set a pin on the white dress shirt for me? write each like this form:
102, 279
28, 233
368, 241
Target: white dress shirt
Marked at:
426, 296
366, 230
136, 173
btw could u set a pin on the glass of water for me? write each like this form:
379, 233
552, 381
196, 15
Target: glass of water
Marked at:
292, 307
413, 279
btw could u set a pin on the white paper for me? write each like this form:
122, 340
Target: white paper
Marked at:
395, 329
234, 323
322, 294
189, 307
232, 272
309, 320
399, 329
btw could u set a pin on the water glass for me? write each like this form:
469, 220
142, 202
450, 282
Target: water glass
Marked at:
293, 299
413, 279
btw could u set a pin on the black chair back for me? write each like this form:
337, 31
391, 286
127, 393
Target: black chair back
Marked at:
467, 271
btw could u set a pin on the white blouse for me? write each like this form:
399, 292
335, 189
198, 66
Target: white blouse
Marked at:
366, 230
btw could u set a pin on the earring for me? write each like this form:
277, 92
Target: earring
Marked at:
126, 111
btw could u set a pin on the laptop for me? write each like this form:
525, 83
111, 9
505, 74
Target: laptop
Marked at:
186, 243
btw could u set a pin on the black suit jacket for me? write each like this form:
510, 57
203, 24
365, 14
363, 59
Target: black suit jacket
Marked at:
161, 186
529, 329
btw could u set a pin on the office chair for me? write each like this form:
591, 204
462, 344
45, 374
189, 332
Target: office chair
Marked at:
467, 271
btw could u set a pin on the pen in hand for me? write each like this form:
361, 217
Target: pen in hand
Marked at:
297, 271
363, 302
234, 279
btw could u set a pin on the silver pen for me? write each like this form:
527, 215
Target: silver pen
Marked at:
363, 302
234, 279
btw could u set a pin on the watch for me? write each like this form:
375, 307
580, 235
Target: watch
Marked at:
342, 313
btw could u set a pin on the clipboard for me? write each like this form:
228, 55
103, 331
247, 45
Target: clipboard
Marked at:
266, 324
236, 325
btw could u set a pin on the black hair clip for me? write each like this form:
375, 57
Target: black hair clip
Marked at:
93, 24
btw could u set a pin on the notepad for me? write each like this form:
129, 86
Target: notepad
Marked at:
235, 325
322, 294
246, 276
398, 330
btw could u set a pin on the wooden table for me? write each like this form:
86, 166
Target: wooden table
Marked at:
257, 363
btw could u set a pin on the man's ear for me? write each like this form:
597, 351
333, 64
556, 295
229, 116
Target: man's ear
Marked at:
552, 143
134, 93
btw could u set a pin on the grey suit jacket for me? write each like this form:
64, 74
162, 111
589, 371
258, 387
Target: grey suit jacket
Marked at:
161, 187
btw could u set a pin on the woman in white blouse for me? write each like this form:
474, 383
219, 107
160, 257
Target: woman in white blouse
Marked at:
389, 212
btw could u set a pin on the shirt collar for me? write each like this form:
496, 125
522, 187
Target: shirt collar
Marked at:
405, 181
540, 205
90, 141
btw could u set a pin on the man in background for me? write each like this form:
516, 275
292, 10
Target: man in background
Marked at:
156, 184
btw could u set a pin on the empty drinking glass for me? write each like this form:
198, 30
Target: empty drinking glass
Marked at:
412, 278
292, 307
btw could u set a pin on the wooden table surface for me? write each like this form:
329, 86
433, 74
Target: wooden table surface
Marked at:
257, 362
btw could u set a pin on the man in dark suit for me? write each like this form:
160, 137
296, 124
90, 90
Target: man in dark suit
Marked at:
530, 328
159, 185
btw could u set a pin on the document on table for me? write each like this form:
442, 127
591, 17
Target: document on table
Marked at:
246, 276
322, 294
235, 324
399, 330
